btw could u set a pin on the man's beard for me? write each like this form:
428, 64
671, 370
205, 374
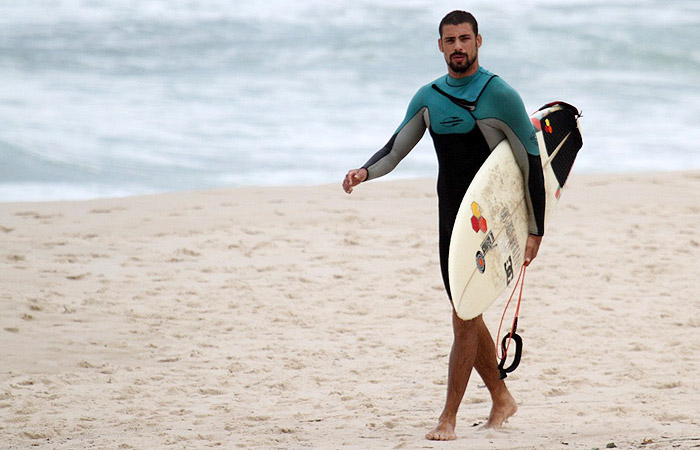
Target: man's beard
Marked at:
468, 63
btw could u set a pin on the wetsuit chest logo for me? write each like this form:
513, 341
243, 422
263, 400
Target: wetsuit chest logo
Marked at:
450, 122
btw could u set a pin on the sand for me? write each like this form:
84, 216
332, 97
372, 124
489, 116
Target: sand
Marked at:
306, 318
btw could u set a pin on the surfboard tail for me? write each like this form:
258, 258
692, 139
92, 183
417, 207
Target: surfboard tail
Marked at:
558, 122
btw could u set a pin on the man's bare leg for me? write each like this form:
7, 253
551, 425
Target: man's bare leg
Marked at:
473, 347
503, 403
462, 359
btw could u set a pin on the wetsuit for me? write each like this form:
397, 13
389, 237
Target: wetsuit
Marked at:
467, 118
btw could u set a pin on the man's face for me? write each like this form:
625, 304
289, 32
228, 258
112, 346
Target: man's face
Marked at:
461, 49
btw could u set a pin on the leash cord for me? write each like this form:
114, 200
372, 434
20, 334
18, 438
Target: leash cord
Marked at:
512, 335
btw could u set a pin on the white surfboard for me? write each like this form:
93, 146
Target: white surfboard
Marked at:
487, 248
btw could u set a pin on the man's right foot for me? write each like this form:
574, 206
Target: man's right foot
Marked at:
501, 411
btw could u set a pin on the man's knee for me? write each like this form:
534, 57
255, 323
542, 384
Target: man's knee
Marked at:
465, 327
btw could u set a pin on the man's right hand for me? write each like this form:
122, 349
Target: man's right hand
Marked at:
353, 178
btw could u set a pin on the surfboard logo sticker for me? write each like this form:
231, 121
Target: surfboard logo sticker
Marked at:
487, 244
480, 262
511, 235
508, 267
548, 127
478, 221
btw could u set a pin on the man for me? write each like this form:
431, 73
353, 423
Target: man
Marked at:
468, 112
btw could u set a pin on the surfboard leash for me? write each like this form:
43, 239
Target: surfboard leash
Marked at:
512, 335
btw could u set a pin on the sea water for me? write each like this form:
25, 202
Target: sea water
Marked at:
104, 98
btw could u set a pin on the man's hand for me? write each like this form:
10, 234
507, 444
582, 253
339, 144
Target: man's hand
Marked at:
353, 178
532, 246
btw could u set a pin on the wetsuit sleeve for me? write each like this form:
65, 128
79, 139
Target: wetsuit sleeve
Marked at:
406, 136
511, 118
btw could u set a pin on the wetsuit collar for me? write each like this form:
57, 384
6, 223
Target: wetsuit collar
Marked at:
457, 82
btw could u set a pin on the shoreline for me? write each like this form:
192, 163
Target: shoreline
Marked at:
387, 179
301, 317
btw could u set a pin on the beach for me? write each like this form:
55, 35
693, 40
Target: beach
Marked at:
301, 317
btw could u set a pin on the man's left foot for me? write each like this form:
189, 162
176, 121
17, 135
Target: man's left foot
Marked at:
501, 411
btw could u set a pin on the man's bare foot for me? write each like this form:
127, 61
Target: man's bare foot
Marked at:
501, 411
444, 431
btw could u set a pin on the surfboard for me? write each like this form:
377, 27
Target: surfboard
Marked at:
487, 248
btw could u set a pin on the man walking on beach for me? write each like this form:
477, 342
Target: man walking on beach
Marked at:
468, 112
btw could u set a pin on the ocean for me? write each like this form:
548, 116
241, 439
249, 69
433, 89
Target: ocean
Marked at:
105, 98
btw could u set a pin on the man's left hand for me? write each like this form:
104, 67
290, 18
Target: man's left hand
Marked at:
532, 247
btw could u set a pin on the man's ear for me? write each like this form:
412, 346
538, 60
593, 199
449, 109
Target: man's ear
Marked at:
440, 45
478, 40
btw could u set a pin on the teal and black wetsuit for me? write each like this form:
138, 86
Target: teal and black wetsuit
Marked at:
467, 118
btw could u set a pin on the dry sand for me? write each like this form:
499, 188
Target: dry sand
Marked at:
306, 318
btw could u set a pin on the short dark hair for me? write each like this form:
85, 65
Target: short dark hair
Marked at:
458, 17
